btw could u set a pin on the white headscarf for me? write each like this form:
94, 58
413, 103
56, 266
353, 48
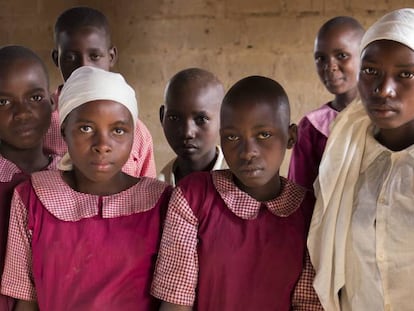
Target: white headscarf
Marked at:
396, 26
87, 84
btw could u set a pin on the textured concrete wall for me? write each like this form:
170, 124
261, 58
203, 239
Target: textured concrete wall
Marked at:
232, 38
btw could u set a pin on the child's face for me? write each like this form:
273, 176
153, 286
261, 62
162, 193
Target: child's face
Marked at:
336, 57
386, 83
254, 138
87, 46
190, 121
99, 135
25, 106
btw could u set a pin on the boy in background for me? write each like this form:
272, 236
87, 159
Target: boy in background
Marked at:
82, 37
190, 120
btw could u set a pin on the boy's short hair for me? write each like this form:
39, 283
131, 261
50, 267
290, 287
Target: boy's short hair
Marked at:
183, 77
11, 53
258, 89
78, 17
338, 21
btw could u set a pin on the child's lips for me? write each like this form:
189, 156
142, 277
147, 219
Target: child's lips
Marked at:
189, 147
101, 165
24, 129
251, 171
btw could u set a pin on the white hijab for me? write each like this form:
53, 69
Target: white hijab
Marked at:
87, 84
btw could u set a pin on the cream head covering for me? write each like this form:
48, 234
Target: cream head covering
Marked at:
396, 26
87, 84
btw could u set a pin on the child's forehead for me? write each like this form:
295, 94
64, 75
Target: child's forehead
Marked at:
195, 92
339, 30
19, 66
83, 31
248, 106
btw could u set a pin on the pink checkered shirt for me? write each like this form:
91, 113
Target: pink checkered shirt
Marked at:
8, 169
178, 280
141, 161
68, 205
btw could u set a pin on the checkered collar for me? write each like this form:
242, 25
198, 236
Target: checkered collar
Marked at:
69, 205
246, 207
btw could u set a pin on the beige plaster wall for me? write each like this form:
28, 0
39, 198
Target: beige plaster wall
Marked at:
232, 38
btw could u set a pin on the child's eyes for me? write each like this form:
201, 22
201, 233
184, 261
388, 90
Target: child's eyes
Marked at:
232, 137
369, 71
95, 57
4, 102
406, 75
319, 59
36, 98
201, 120
85, 129
264, 135
342, 56
69, 58
119, 131
172, 118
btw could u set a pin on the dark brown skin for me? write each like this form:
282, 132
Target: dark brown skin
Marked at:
23, 305
166, 306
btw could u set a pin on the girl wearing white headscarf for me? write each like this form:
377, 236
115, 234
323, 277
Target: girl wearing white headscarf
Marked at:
82, 243
361, 239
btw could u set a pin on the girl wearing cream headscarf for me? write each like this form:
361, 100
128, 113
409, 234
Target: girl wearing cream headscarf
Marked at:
86, 237
361, 239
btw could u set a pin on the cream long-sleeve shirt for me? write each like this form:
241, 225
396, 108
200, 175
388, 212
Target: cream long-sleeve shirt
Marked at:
361, 239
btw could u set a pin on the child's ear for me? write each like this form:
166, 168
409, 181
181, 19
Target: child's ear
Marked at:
55, 57
53, 102
292, 135
162, 112
113, 54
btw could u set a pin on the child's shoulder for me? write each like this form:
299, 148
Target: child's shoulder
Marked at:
322, 112
153, 185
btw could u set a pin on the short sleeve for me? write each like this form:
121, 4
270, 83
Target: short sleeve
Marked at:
17, 280
304, 295
176, 271
306, 155
141, 162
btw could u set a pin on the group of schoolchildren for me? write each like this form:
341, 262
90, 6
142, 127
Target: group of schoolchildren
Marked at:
85, 225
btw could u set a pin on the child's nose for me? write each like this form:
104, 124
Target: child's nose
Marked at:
385, 88
21, 109
190, 129
331, 65
248, 150
101, 143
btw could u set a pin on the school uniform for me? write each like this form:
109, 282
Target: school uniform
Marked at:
167, 173
10, 176
223, 250
75, 251
313, 132
141, 160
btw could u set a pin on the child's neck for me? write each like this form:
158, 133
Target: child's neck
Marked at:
184, 167
396, 139
28, 160
341, 101
264, 193
80, 183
